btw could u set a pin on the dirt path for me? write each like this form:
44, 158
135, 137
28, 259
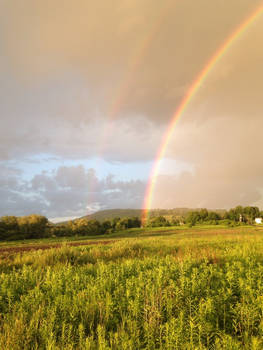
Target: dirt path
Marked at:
49, 246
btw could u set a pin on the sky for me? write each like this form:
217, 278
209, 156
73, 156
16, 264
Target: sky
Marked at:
87, 91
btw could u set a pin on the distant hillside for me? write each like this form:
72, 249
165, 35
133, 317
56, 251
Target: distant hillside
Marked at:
109, 214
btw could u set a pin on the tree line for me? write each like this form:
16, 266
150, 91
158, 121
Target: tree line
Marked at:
238, 215
38, 226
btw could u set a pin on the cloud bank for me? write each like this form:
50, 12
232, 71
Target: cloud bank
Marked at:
68, 191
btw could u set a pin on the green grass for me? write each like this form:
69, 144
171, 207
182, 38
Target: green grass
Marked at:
133, 232
170, 288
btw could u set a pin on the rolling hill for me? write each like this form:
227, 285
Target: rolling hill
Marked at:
109, 214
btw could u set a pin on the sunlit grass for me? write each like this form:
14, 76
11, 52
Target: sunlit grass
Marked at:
200, 288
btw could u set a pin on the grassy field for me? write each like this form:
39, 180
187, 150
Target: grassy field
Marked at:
172, 288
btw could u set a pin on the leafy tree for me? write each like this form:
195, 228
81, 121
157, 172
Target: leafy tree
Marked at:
159, 221
126, 223
246, 214
136, 222
175, 221
213, 216
32, 226
251, 213
9, 227
61, 230
106, 226
203, 214
115, 221
94, 228
193, 217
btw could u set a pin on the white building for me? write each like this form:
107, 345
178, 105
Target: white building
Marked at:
258, 220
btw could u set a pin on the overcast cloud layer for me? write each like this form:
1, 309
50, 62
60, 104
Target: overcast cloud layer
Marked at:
102, 79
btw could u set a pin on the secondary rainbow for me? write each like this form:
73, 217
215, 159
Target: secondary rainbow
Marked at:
121, 94
196, 84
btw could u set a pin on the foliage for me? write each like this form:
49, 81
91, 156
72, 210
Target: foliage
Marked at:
175, 221
243, 214
159, 221
37, 226
194, 291
31, 226
202, 216
125, 223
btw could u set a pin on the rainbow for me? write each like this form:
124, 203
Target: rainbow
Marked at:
136, 61
196, 84
123, 90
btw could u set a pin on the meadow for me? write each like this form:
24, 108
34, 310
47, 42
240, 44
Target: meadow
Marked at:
152, 288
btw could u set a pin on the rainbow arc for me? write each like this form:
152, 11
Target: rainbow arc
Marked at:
195, 86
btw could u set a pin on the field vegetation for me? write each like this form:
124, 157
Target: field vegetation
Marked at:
178, 287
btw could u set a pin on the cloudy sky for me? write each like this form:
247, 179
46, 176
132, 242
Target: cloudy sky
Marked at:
87, 90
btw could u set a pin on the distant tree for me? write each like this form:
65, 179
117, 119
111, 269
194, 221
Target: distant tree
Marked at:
233, 214
106, 226
32, 226
203, 214
193, 217
245, 214
62, 230
133, 222
175, 221
126, 223
115, 222
9, 222
9, 227
87, 227
159, 221
213, 216
251, 213
94, 228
